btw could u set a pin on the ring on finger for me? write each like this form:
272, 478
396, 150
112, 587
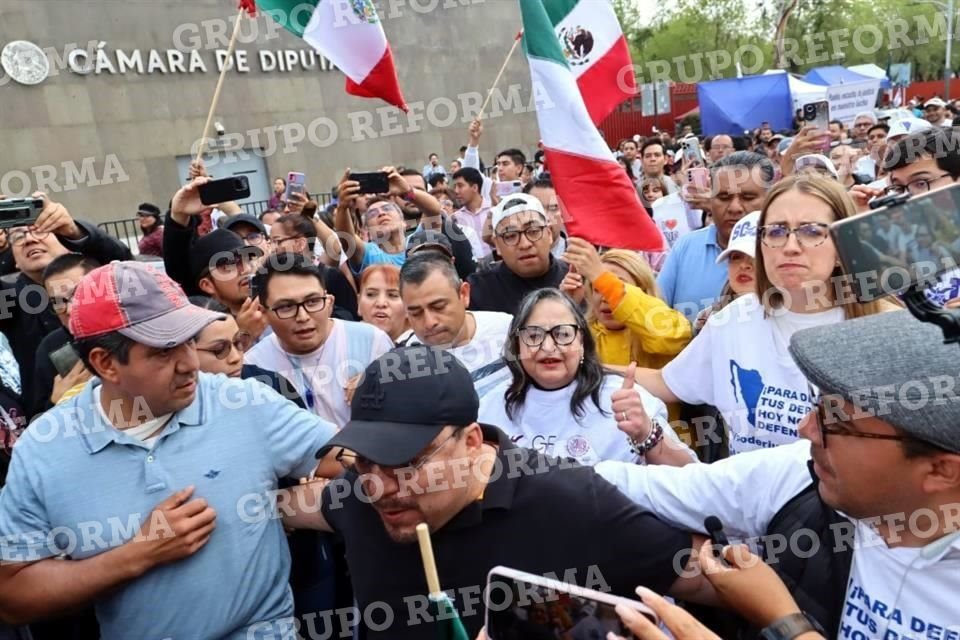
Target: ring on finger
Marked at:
623, 416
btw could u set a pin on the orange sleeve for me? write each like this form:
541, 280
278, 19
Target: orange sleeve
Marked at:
611, 288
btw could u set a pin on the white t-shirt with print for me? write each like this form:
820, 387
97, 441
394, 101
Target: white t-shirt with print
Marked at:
545, 422
740, 364
483, 355
892, 593
321, 376
675, 218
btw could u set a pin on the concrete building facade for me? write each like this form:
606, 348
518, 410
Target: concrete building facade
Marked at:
118, 110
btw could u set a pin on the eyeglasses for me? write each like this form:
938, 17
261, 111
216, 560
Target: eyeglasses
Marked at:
513, 237
289, 310
809, 234
222, 348
255, 238
562, 334
19, 236
835, 427
914, 187
363, 466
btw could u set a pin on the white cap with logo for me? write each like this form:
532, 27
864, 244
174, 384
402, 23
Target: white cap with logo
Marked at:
513, 204
743, 238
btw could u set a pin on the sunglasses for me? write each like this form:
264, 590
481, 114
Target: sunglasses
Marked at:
222, 348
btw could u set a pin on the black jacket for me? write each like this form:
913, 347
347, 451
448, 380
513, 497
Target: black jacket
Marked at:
275, 381
7, 264
37, 398
499, 289
25, 312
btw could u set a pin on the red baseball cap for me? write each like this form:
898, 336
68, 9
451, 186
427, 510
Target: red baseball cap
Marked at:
139, 302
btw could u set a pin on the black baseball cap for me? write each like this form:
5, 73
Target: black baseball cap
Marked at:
428, 239
215, 248
148, 209
406, 398
245, 218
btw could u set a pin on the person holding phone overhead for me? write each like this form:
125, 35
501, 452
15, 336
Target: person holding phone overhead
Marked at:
382, 220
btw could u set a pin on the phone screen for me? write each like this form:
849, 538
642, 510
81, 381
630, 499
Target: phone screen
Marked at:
818, 114
64, 359
295, 183
889, 250
691, 152
509, 188
520, 609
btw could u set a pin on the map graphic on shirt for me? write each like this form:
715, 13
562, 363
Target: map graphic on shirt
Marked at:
750, 383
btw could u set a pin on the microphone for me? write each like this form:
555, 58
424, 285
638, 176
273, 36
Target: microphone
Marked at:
719, 538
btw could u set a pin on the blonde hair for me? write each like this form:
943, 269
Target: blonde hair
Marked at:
641, 276
833, 194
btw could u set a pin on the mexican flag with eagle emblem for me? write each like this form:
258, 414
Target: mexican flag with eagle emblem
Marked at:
349, 34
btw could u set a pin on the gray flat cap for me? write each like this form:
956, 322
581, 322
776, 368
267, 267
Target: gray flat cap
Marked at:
891, 365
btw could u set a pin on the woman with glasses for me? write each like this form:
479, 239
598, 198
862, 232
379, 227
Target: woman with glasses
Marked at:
562, 402
221, 346
739, 363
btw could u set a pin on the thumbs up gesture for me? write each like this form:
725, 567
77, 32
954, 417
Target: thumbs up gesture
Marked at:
628, 409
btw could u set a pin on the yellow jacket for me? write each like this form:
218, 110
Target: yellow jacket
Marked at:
663, 332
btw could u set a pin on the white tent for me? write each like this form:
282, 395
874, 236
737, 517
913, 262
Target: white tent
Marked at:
801, 92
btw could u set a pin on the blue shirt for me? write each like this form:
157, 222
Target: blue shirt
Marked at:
373, 254
78, 486
691, 279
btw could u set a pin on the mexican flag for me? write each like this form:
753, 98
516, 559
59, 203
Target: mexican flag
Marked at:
449, 626
599, 202
349, 34
596, 50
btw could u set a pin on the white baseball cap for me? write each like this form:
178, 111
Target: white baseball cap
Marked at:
907, 126
514, 204
934, 102
816, 160
743, 238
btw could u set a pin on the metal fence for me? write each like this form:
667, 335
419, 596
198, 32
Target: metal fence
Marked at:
128, 231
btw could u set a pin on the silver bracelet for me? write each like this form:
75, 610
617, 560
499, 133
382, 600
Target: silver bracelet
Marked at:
652, 440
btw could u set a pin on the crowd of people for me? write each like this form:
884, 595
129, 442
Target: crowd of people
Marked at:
235, 433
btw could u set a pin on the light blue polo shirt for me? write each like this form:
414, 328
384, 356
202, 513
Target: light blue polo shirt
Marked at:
691, 279
373, 254
78, 486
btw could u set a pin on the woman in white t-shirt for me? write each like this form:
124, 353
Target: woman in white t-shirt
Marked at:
739, 363
561, 402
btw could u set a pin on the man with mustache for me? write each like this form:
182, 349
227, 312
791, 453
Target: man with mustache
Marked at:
113, 493
873, 490
414, 452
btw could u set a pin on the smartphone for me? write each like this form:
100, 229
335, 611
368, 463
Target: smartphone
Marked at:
691, 152
509, 188
699, 177
906, 242
19, 212
64, 359
373, 182
818, 114
296, 183
525, 605
224, 190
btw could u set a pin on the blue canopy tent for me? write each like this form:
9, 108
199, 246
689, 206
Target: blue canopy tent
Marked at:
735, 105
834, 75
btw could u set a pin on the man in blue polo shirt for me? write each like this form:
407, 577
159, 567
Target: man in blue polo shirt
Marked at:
691, 279
130, 495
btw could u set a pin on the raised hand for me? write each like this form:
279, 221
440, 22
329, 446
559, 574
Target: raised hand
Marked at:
628, 409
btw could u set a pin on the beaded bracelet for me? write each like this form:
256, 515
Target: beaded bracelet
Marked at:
652, 440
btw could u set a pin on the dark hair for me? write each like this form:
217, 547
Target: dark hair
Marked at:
268, 212
837, 122
419, 266
748, 160
649, 142
309, 209
410, 172
941, 144
625, 141
208, 303
284, 264
436, 178
516, 156
301, 225
470, 176
114, 343
590, 373
543, 182
433, 154
916, 448
879, 125
66, 262
463, 149
149, 207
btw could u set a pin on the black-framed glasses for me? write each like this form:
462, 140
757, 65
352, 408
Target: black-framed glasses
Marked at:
914, 187
19, 236
255, 238
222, 348
562, 334
363, 466
834, 425
809, 234
287, 310
513, 237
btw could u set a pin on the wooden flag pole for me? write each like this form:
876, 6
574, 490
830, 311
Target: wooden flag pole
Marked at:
503, 68
216, 92
429, 564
